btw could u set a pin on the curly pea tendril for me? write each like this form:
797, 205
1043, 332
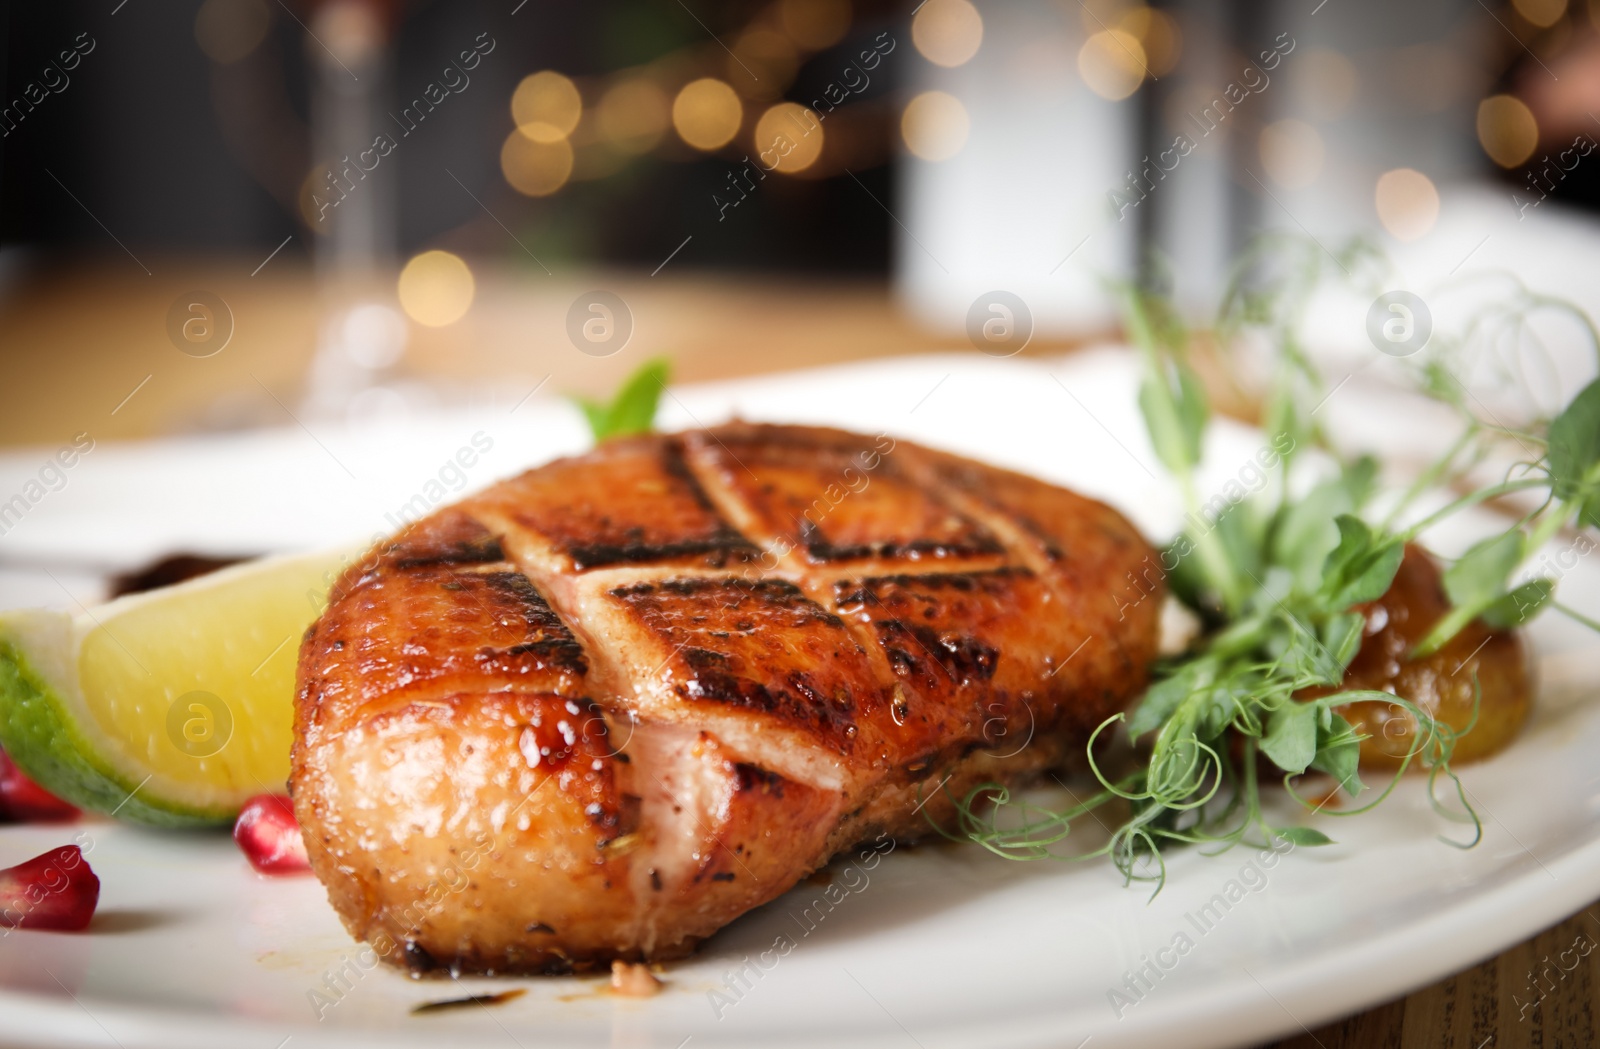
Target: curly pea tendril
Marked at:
1276, 587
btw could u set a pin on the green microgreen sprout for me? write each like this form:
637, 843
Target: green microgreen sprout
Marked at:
1277, 578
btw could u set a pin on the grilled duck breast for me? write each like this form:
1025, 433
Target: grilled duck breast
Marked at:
602, 709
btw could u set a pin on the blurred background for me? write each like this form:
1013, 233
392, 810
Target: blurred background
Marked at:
229, 214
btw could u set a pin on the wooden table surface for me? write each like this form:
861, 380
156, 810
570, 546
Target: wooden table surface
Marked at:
74, 346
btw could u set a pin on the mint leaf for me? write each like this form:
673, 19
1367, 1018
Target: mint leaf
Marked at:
1520, 606
598, 416
633, 410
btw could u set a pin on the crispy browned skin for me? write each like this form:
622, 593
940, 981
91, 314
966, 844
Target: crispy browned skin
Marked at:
604, 708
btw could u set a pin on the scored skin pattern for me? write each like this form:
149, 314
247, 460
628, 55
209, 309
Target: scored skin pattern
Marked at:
757, 645
603, 708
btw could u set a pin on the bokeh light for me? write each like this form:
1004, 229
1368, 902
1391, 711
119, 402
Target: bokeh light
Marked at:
707, 113
348, 33
815, 24
546, 106
1542, 13
229, 30
934, 125
1158, 34
1507, 130
1112, 63
633, 115
1292, 152
1407, 202
1330, 82
947, 32
436, 288
536, 169
789, 138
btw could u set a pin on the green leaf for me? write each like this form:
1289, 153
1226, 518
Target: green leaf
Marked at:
1160, 700
1341, 634
1355, 541
1520, 606
1193, 407
1302, 836
598, 416
1480, 576
1575, 447
633, 410
1186, 579
1339, 752
1242, 534
1359, 478
1307, 658
1474, 583
1304, 532
1218, 707
1291, 739
1170, 416
1361, 567
1282, 421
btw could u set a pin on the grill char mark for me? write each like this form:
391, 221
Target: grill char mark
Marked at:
1106, 579
722, 546
426, 611
476, 551
715, 552
633, 502
975, 655
760, 646
449, 538
548, 638
906, 685
836, 497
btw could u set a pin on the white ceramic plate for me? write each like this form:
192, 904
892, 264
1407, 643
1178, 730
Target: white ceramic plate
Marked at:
935, 947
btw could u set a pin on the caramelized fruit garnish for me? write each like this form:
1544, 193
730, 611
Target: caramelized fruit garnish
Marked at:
1496, 662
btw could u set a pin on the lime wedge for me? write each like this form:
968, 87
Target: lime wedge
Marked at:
171, 707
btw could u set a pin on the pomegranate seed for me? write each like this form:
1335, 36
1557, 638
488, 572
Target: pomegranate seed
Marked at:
54, 891
269, 835
24, 801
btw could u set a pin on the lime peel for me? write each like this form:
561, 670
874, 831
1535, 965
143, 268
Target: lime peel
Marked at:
94, 726
47, 743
